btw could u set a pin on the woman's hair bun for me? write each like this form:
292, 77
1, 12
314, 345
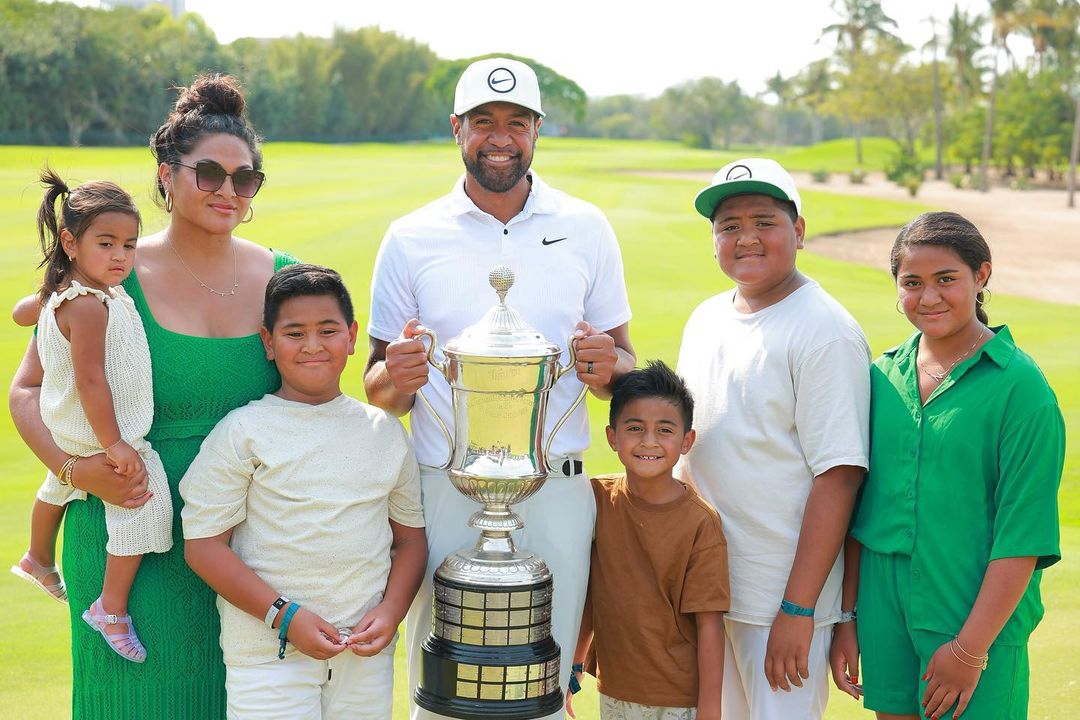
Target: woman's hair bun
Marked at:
212, 95
214, 104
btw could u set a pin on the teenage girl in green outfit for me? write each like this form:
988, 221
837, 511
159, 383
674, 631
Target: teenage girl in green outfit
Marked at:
199, 291
958, 515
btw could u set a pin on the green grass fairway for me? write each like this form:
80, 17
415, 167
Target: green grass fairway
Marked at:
834, 156
331, 205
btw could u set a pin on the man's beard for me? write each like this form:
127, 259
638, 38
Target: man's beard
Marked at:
498, 181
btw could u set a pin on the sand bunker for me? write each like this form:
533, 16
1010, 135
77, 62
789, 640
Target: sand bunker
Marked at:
1034, 238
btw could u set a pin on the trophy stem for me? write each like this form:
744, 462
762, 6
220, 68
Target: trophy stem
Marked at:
495, 523
496, 519
494, 546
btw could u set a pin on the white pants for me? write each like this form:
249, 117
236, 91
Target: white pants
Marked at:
612, 709
346, 686
559, 521
747, 695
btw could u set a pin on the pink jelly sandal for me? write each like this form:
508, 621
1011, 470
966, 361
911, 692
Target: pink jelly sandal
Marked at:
127, 644
37, 575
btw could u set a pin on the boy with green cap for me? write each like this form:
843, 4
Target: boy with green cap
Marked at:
780, 371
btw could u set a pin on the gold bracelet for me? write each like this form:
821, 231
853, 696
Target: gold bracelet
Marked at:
71, 471
64, 476
981, 665
977, 658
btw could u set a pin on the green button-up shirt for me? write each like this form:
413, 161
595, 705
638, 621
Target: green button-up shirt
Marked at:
967, 478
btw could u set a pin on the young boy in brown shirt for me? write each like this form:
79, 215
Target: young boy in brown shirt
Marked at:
652, 632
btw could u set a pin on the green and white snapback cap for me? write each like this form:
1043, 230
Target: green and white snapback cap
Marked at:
749, 176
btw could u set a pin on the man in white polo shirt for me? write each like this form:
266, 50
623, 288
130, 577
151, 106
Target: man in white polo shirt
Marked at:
432, 271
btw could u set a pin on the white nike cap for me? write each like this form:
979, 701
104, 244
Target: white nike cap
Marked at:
749, 176
497, 80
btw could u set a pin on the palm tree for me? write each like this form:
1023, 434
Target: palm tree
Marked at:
782, 88
939, 170
812, 88
1006, 17
1074, 151
860, 22
1051, 25
965, 41
1054, 26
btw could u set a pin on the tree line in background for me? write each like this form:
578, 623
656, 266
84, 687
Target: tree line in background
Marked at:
964, 94
79, 75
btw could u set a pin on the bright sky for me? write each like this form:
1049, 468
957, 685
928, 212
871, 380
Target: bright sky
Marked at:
604, 46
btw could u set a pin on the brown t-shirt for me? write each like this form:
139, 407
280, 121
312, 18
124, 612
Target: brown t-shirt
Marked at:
653, 567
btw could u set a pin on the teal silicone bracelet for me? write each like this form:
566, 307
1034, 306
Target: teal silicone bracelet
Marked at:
574, 685
283, 632
791, 608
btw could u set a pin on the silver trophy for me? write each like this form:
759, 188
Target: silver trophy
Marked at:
490, 653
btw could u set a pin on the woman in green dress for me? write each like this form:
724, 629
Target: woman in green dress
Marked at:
199, 291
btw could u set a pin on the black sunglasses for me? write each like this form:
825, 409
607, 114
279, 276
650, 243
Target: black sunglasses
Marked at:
210, 176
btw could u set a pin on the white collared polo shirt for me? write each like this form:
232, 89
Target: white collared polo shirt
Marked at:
433, 265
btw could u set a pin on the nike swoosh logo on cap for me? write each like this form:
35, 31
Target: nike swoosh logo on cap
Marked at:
500, 82
545, 241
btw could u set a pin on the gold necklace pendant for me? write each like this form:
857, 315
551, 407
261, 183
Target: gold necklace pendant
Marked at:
220, 293
939, 377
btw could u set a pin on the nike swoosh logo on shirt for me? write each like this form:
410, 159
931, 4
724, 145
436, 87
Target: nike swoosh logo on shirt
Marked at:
545, 241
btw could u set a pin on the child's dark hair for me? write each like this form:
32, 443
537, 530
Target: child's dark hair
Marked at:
655, 380
213, 104
78, 210
303, 280
948, 230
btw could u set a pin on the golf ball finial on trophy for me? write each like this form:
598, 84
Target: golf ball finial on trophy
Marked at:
490, 653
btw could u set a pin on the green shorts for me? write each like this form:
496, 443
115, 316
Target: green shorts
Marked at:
895, 654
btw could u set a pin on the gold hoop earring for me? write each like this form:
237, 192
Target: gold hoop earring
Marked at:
898, 308
168, 201
250, 214
989, 295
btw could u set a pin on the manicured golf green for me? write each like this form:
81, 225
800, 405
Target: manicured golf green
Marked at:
331, 205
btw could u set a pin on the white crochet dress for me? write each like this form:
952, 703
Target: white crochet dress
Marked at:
127, 370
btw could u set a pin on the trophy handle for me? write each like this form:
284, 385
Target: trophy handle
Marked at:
441, 367
573, 406
563, 369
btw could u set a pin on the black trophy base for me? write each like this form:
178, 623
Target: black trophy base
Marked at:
488, 683
490, 655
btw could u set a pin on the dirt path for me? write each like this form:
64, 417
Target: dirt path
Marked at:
1035, 239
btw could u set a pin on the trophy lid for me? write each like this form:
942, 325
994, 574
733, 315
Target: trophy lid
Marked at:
501, 333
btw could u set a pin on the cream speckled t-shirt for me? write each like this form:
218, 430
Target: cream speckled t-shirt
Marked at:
781, 396
309, 491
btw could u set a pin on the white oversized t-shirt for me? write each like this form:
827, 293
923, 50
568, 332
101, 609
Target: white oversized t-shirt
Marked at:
433, 265
781, 395
309, 491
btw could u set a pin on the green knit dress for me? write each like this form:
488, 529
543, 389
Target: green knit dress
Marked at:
197, 381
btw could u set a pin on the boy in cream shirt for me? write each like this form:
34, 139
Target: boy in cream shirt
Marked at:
781, 375
302, 510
